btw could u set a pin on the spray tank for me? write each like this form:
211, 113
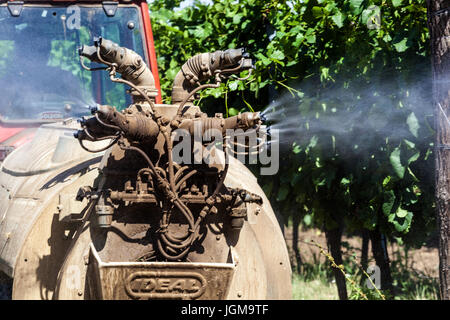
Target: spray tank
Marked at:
144, 203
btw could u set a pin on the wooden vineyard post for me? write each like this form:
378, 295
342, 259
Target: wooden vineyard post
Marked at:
439, 26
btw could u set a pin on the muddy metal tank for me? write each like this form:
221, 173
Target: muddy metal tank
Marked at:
111, 215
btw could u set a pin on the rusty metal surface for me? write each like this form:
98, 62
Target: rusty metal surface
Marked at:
142, 139
128, 63
202, 67
262, 261
137, 224
157, 280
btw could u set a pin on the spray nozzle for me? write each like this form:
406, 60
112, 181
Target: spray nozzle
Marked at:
93, 109
262, 117
89, 52
97, 41
82, 121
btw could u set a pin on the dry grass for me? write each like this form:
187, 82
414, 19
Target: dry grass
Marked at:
317, 289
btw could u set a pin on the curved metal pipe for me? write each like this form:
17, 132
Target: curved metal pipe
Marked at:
202, 67
128, 63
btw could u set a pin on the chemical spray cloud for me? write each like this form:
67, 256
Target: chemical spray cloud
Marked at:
357, 119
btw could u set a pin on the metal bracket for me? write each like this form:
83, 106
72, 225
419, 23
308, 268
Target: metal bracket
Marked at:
15, 8
110, 8
69, 209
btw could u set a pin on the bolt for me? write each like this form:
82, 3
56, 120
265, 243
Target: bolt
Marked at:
239, 294
258, 210
80, 293
218, 237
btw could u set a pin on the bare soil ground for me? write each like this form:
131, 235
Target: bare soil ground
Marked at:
423, 261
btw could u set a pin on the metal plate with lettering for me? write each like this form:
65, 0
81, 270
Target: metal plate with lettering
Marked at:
166, 284
158, 280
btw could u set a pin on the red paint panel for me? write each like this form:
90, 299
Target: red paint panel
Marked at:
15, 137
151, 47
6, 133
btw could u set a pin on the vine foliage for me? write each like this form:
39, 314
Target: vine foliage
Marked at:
355, 73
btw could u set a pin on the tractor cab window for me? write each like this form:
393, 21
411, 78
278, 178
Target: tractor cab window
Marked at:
40, 72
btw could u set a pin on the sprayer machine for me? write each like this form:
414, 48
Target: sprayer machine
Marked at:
143, 201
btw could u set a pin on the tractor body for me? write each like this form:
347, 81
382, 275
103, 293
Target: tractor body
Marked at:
109, 207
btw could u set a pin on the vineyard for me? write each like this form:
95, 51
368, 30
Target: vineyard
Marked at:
350, 82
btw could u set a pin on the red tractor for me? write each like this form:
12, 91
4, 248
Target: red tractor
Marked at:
41, 80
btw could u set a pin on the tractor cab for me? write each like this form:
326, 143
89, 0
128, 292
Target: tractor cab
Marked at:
41, 77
